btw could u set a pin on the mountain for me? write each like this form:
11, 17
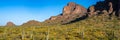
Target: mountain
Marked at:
32, 23
74, 12
70, 13
10, 24
97, 27
98, 22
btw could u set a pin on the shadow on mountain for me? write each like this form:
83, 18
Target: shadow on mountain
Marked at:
104, 5
76, 20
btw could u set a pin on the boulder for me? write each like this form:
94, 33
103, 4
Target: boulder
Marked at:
92, 11
67, 10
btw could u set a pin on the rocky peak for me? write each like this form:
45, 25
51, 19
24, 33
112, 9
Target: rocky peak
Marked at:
69, 8
71, 4
79, 10
73, 8
70, 13
10, 24
109, 5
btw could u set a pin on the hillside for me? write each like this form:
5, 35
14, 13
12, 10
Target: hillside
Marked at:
92, 28
99, 22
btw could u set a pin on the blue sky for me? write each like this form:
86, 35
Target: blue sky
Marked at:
21, 11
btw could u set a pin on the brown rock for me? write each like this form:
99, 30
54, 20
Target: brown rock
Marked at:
10, 24
70, 13
92, 14
112, 16
72, 4
110, 7
105, 12
53, 18
92, 11
69, 8
79, 10
115, 4
113, 13
73, 8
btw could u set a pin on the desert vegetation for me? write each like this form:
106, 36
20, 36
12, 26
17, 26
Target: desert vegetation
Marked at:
99, 22
92, 28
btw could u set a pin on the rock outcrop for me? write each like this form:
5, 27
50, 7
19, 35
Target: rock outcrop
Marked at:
91, 11
69, 8
70, 13
110, 7
116, 6
10, 24
105, 13
74, 12
73, 8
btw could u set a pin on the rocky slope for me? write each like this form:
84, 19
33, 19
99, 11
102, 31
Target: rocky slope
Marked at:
109, 5
70, 12
73, 12
92, 28
98, 24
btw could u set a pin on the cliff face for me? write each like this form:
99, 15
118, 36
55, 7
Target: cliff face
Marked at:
119, 8
70, 12
114, 2
106, 5
74, 12
116, 6
73, 8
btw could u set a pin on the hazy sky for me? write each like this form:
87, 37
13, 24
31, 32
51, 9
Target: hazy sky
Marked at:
21, 11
